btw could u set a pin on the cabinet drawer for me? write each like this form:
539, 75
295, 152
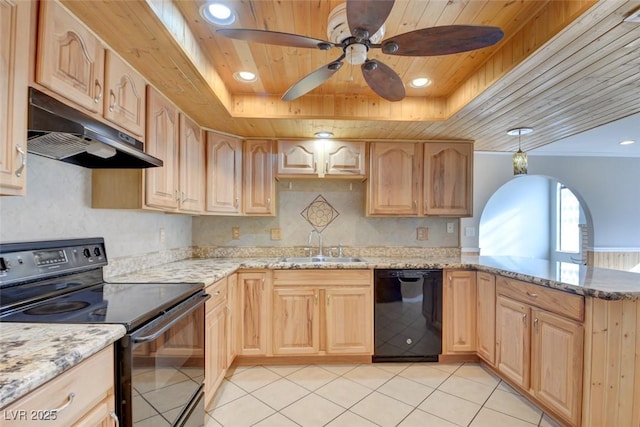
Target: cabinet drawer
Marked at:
218, 292
90, 382
559, 302
322, 277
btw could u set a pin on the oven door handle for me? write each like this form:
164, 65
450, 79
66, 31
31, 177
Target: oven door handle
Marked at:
169, 319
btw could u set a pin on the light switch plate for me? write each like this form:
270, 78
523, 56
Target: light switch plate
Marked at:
275, 234
450, 227
235, 233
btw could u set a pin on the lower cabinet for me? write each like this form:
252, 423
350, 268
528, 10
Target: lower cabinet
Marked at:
486, 316
253, 322
459, 312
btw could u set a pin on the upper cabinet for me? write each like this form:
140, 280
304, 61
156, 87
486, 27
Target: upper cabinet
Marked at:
74, 63
224, 174
14, 55
258, 186
321, 158
448, 179
412, 179
191, 166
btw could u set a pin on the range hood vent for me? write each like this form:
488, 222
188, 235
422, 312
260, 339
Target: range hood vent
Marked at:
60, 132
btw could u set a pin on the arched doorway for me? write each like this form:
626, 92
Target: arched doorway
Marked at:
536, 216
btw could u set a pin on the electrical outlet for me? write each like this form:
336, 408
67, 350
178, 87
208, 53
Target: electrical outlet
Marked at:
469, 231
422, 233
450, 227
235, 233
163, 236
275, 234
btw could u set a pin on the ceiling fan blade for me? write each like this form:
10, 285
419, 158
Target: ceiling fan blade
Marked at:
442, 40
383, 80
367, 15
275, 37
313, 80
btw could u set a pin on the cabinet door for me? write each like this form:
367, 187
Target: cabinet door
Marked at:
295, 321
232, 315
298, 158
349, 320
102, 415
486, 316
448, 179
70, 58
394, 179
513, 340
459, 312
556, 359
163, 143
224, 174
191, 166
215, 351
14, 62
259, 186
254, 318
344, 158
125, 99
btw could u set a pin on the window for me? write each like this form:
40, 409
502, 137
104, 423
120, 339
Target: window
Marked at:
568, 221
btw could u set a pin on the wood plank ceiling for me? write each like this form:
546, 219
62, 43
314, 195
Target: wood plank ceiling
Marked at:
563, 67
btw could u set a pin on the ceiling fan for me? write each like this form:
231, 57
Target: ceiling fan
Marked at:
365, 19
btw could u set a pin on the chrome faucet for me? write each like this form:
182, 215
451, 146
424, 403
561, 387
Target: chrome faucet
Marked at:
319, 241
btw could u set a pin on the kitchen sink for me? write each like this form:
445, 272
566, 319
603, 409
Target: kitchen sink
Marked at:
321, 259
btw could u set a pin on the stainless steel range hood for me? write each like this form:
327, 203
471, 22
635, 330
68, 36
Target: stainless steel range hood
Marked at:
63, 133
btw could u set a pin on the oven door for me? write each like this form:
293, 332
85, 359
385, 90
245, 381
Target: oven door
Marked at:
161, 368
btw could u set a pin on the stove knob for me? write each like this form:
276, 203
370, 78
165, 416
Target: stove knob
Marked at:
96, 251
86, 252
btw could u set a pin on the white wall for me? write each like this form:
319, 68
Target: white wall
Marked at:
57, 206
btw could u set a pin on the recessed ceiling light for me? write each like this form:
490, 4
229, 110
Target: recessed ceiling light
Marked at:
245, 76
323, 134
218, 13
420, 82
627, 142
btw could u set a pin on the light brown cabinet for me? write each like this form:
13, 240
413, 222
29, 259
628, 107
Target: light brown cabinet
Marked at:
224, 174
459, 312
539, 347
216, 337
448, 179
232, 318
321, 158
254, 322
318, 312
259, 188
486, 316
15, 18
191, 166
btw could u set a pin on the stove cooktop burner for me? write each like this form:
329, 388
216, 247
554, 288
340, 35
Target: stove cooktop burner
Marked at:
57, 307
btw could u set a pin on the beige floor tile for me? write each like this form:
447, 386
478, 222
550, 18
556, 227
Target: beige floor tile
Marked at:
451, 408
475, 372
210, 422
284, 370
338, 369
490, 418
343, 392
405, 390
506, 387
382, 409
242, 412
236, 370
312, 411
226, 393
514, 405
394, 368
254, 378
420, 418
349, 419
426, 375
280, 393
312, 377
276, 420
369, 376
467, 389
548, 422
446, 367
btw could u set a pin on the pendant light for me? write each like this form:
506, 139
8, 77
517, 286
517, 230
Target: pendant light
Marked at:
519, 157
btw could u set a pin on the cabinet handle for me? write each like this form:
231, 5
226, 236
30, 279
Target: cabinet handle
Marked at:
326, 166
263, 284
535, 324
269, 203
328, 299
65, 405
415, 204
216, 293
316, 297
23, 163
99, 90
113, 415
532, 295
177, 196
315, 166
237, 202
524, 317
184, 199
113, 100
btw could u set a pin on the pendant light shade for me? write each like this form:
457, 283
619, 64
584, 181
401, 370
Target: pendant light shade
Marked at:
519, 157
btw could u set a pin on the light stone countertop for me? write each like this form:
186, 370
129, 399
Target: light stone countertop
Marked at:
33, 353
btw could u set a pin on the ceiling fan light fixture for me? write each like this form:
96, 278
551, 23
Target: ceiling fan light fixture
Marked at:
356, 54
420, 82
218, 13
519, 157
245, 76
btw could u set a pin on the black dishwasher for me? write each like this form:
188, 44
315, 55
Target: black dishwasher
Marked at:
408, 315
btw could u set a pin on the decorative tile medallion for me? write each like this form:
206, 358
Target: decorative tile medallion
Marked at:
319, 213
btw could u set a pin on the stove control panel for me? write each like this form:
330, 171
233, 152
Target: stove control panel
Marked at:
19, 263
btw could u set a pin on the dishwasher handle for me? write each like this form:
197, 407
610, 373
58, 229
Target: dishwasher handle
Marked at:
169, 319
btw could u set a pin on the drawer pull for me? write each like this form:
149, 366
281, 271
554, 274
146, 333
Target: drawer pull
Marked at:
524, 317
66, 404
216, 293
23, 163
113, 415
532, 295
